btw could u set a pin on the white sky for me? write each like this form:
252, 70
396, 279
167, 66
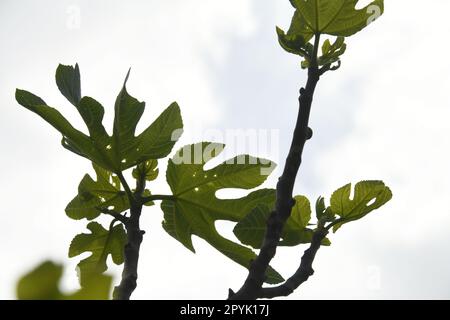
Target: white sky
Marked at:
383, 115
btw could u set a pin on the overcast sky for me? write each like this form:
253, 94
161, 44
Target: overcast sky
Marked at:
383, 115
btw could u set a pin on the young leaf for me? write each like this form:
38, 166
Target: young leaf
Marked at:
148, 170
42, 283
95, 195
336, 17
101, 243
368, 196
320, 207
196, 208
297, 37
332, 52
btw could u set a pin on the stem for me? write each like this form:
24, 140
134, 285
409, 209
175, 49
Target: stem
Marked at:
285, 186
117, 216
332, 224
303, 272
134, 236
126, 187
131, 251
316, 50
157, 197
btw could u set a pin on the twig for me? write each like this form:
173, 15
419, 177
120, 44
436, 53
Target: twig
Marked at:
116, 215
157, 197
329, 67
134, 236
303, 272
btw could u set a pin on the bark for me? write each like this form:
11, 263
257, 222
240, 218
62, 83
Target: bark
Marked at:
131, 252
252, 286
304, 271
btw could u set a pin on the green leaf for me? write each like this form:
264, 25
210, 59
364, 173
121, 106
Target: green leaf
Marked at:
158, 139
297, 37
305, 64
148, 170
251, 230
333, 17
368, 196
292, 43
295, 231
153, 143
336, 17
128, 112
95, 287
72, 137
92, 113
104, 193
196, 207
301, 212
42, 283
147, 193
68, 82
101, 243
296, 40
123, 149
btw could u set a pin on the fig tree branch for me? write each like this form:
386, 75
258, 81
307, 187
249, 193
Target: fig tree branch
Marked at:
303, 272
251, 288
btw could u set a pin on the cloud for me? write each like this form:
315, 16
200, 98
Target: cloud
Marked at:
169, 45
383, 115
396, 130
